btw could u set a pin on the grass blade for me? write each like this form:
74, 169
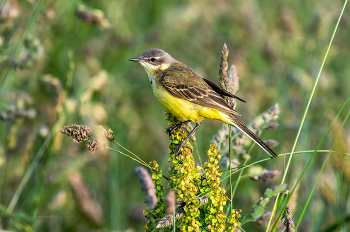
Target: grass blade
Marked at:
313, 156
319, 174
308, 105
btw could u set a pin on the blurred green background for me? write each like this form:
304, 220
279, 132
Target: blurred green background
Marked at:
66, 62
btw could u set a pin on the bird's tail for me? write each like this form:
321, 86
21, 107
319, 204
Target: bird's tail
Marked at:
236, 123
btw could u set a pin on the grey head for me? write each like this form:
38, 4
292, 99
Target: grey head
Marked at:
154, 57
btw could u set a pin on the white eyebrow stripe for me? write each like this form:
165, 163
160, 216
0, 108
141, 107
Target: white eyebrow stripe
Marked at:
155, 57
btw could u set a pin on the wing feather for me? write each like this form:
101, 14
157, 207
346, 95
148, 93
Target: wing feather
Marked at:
184, 83
221, 91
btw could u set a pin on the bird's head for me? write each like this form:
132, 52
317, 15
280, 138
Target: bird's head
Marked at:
154, 60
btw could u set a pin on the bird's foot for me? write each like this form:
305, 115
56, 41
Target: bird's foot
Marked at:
171, 129
178, 147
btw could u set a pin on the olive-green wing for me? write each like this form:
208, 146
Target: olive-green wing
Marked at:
187, 85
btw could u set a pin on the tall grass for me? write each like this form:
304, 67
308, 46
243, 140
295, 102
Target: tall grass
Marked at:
302, 123
80, 74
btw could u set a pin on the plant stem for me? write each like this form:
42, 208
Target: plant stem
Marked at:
267, 159
319, 174
307, 108
199, 157
312, 157
229, 160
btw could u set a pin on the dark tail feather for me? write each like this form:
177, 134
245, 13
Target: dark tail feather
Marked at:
236, 123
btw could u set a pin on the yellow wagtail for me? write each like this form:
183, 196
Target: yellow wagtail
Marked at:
188, 96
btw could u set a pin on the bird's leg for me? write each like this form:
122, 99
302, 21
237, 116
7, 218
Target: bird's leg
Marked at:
178, 147
171, 129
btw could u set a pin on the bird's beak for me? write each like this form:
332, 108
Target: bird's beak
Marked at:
138, 59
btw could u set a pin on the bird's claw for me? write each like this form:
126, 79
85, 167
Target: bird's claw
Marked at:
178, 147
171, 129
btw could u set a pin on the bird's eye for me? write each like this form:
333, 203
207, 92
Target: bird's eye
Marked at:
153, 59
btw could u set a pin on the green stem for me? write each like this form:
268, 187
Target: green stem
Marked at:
230, 138
307, 108
229, 160
239, 178
199, 157
28, 28
241, 172
142, 163
138, 159
319, 175
285, 154
312, 157
33, 165
42, 149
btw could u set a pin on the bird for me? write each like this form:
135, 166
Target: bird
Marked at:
190, 97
